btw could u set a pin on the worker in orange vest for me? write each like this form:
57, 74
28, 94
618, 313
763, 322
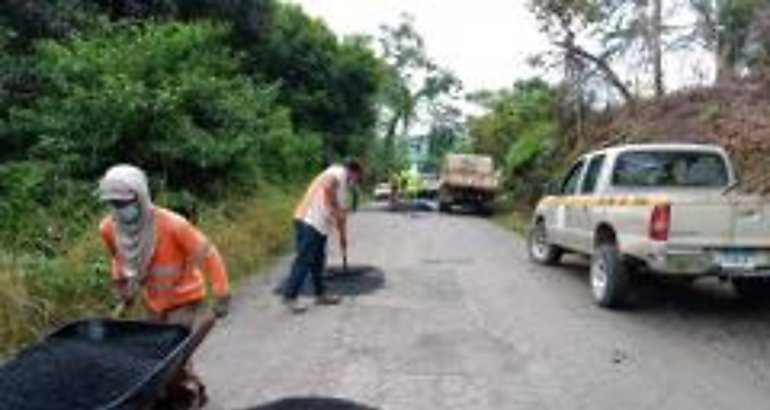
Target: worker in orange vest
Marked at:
160, 255
319, 212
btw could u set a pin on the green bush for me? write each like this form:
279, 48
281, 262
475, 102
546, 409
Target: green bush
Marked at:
217, 112
167, 97
39, 292
529, 145
40, 211
522, 132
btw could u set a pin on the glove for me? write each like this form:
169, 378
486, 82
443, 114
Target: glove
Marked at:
222, 306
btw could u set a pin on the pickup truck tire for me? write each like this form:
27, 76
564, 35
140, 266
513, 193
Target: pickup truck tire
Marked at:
540, 251
610, 280
752, 288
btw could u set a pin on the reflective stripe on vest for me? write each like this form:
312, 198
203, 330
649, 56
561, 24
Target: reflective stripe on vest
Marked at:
200, 255
175, 286
170, 269
176, 269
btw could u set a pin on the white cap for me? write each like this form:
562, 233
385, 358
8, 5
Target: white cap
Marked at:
123, 183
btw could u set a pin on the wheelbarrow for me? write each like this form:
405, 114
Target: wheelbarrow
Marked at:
99, 364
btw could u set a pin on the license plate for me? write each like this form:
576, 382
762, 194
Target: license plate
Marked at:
737, 259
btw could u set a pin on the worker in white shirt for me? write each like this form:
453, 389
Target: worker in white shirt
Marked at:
320, 211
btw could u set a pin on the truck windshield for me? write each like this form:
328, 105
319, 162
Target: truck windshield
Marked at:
670, 169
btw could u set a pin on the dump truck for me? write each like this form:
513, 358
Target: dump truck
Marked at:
468, 180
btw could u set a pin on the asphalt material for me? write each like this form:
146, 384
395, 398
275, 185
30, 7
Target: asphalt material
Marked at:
447, 313
76, 374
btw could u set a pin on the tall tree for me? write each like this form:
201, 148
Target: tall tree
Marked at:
413, 80
519, 131
564, 22
724, 27
446, 131
655, 41
645, 28
330, 85
511, 113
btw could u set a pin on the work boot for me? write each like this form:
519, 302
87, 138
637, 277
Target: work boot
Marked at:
328, 300
184, 395
295, 306
202, 399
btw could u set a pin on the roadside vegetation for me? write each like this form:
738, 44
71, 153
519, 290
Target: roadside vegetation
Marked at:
230, 106
535, 129
212, 99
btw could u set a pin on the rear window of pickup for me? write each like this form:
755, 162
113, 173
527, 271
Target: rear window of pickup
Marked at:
670, 169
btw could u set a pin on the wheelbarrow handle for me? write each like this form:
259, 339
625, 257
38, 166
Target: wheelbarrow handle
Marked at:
201, 329
118, 311
121, 308
199, 332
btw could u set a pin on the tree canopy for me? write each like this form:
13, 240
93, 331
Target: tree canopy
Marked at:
212, 98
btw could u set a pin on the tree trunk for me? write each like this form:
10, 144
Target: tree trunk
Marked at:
724, 65
707, 13
603, 66
390, 138
572, 74
656, 33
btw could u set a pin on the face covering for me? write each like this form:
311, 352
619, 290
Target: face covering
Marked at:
129, 214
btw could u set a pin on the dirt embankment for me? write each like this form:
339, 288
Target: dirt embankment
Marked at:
735, 116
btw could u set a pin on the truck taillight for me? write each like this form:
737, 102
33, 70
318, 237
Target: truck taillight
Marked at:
660, 222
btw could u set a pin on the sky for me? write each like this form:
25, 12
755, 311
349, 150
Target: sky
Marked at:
486, 43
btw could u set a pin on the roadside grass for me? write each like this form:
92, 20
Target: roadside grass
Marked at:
19, 311
250, 232
513, 216
38, 293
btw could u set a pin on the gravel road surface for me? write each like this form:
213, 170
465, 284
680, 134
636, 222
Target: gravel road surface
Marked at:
446, 312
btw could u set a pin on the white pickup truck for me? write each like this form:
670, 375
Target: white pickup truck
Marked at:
669, 209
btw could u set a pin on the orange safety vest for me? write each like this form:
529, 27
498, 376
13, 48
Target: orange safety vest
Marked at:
174, 276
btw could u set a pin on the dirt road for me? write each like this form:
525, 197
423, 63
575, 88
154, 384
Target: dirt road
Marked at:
449, 314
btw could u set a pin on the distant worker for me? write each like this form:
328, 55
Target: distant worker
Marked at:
160, 255
412, 183
395, 182
319, 212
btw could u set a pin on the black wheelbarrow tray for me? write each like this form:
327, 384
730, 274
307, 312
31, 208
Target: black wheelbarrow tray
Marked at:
98, 364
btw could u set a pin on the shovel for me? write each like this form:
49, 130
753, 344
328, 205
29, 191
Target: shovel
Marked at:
122, 308
118, 311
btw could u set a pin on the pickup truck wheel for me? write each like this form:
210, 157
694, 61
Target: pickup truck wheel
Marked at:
752, 288
540, 251
609, 276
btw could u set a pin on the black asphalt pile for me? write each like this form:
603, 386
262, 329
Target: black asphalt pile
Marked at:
312, 403
71, 374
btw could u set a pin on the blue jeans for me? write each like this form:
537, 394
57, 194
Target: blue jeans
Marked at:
310, 260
